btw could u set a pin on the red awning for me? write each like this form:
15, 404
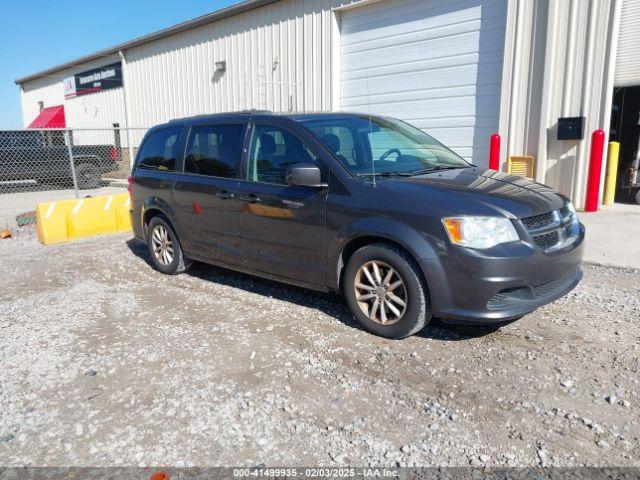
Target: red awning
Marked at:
50, 117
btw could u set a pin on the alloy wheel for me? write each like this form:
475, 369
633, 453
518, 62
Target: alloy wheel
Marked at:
380, 292
162, 245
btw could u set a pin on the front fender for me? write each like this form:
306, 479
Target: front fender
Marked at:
422, 246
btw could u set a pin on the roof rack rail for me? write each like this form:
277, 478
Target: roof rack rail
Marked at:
206, 115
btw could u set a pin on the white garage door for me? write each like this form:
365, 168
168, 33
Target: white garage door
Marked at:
435, 63
627, 72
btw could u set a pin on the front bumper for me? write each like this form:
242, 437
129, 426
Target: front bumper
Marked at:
503, 283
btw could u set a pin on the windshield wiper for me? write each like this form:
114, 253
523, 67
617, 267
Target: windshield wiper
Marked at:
436, 168
433, 168
385, 174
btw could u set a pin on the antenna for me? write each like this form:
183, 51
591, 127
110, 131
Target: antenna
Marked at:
373, 167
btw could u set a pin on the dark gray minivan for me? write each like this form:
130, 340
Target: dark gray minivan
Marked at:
365, 205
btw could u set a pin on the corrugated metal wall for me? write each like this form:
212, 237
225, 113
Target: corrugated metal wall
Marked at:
278, 57
557, 64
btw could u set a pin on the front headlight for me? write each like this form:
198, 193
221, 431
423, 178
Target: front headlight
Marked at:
480, 232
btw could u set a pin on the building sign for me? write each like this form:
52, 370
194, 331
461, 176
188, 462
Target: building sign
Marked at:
69, 87
95, 80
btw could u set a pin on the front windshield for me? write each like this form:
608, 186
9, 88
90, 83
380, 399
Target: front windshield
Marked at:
382, 145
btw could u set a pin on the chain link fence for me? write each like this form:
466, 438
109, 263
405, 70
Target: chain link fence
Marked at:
47, 165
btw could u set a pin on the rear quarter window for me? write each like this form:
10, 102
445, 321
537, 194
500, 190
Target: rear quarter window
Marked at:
214, 150
160, 150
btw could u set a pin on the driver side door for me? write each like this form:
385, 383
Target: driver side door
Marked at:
282, 227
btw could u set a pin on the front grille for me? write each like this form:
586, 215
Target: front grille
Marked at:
500, 301
546, 240
547, 288
550, 229
515, 296
506, 298
539, 221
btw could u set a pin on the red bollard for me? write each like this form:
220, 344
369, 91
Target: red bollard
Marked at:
494, 152
595, 170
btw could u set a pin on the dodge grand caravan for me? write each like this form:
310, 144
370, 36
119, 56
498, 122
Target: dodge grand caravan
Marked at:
368, 206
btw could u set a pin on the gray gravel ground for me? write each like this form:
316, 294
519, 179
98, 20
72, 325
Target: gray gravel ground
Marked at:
104, 361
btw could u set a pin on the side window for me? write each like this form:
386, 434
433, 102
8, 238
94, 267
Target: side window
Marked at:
214, 150
340, 141
273, 149
160, 150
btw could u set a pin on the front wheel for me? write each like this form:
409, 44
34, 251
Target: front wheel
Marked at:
385, 291
164, 247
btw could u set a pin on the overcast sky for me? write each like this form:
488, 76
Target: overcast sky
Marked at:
40, 34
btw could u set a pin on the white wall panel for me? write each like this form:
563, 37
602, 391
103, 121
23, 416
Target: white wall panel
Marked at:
627, 71
277, 58
558, 64
46, 90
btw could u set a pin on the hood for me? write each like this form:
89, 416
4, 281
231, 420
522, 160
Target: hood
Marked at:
492, 192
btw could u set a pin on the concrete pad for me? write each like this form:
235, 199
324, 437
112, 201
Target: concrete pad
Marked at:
613, 235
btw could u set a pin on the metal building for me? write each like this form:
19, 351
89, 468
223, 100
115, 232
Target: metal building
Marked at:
459, 69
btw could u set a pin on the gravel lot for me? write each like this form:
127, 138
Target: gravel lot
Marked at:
106, 362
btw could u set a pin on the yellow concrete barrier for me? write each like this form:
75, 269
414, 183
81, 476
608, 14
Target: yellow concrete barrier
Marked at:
612, 173
84, 217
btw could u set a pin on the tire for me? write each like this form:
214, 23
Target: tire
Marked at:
88, 176
638, 197
161, 235
394, 321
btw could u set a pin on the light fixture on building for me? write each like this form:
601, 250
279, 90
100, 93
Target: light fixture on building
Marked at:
221, 66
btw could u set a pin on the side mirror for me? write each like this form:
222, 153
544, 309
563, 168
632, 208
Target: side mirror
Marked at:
304, 175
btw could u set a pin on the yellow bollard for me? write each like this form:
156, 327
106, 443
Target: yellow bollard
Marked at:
612, 173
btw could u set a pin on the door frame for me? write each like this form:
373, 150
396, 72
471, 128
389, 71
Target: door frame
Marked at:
184, 175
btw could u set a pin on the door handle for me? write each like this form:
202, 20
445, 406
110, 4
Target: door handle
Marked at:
224, 195
251, 198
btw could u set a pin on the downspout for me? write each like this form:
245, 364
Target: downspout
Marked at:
569, 61
516, 77
586, 110
126, 104
548, 90
22, 111
615, 13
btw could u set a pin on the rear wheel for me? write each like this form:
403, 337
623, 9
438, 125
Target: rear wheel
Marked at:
88, 176
164, 247
385, 291
638, 197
